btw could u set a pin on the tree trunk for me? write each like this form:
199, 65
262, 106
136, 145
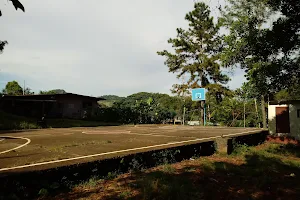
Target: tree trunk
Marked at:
183, 117
263, 111
244, 114
201, 106
256, 110
208, 113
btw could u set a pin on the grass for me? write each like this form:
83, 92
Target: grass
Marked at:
268, 171
66, 123
13, 122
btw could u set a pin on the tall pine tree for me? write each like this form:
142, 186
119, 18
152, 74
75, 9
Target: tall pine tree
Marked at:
196, 51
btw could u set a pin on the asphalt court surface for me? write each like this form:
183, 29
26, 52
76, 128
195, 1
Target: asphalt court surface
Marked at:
48, 145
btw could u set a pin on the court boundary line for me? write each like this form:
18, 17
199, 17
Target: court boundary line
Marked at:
18, 147
130, 133
121, 151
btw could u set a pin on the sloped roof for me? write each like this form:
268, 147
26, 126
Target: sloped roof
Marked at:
284, 102
48, 97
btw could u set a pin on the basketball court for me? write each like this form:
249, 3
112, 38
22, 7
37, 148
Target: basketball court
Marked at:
47, 148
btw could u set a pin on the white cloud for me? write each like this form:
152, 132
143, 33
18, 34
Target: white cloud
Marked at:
92, 47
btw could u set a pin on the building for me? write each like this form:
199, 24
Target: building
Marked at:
284, 118
67, 105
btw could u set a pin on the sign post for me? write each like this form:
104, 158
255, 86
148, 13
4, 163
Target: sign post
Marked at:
198, 94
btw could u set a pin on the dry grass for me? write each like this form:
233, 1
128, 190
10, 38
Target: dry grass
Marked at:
269, 171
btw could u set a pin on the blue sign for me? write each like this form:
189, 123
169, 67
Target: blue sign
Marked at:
198, 94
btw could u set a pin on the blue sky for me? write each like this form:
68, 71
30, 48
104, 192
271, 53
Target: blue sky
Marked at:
93, 47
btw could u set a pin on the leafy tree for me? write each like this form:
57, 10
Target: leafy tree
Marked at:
18, 5
244, 19
13, 88
272, 64
55, 91
28, 91
196, 51
112, 97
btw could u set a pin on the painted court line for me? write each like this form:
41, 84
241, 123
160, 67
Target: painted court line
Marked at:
18, 147
129, 133
119, 151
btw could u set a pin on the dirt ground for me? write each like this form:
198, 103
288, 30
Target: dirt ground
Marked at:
268, 171
56, 144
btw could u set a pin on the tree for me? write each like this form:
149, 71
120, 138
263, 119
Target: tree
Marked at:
55, 91
111, 97
28, 91
13, 88
244, 19
18, 5
196, 51
272, 62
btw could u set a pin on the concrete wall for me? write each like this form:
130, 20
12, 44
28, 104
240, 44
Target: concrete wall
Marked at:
294, 120
272, 117
73, 107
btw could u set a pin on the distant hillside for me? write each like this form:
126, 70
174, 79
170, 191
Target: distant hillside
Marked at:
110, 100
112, 97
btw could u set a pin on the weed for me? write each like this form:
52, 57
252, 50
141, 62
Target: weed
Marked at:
168, 168
111, 175
54, 185
240, 149
136, 164
43, 192
166, 156
190, 169
125, 194
92, 182
284, 149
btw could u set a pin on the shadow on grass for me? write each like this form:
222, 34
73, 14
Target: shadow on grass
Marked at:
285, 149
260, 177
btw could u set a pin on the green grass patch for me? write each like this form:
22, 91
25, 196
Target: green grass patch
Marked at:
67, 123
14, 122
265, 172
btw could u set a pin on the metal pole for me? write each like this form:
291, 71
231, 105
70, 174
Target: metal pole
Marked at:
204, 120
24, 89
256, 110
244, 115
183, 118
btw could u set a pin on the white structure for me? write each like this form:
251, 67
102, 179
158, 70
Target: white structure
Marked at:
193, 123
284, 118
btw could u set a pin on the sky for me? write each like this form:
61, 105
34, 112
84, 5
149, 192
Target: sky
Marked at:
93, 47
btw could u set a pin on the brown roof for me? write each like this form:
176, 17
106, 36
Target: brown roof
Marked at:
48, 97
284, 102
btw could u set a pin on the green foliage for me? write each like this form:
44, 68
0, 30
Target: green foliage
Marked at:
12, 122
43, 192
92, 182
2, 44
111, 175
55, 91
18, 5
66, 123
196, 49
112, 97
13, 88
168, 168
271, 64
196, 54
141, 108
